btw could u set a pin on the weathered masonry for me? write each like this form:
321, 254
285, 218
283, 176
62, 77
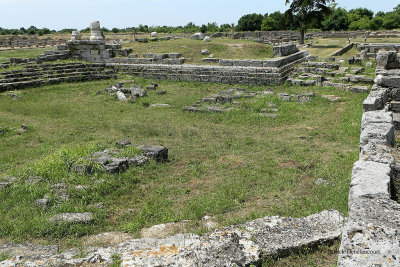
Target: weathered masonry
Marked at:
260, 72
371, 235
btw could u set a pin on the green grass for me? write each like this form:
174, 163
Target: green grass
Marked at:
323, 255
236, 166
191, 49
5, 55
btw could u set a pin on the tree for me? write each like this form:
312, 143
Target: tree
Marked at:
274, 22
362, 12
337, 20
391, 20
306, 12
250, 22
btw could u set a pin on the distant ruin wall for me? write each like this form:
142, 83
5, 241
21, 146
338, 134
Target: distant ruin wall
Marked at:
370, 236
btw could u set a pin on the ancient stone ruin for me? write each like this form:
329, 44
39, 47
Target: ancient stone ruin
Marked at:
373, 223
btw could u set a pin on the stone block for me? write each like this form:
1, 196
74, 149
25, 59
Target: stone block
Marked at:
369, 179
376, 100
388, 81
376, 116
379, 133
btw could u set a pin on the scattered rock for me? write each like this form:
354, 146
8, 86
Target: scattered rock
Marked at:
151, 87
198, 36
138, 160
23, 129
34, 180
86, 217
81, 187
121, 96
331, 98
160, 106
42, 203
158, 153
205, 51
123, 143
161, 92
138, 92
83, 169
207, 39
211, 56
301, 98
14, 96
117, 165
321, 181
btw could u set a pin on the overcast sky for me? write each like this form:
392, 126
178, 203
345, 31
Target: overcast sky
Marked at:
60, 14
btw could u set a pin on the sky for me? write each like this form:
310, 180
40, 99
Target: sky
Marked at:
77, 14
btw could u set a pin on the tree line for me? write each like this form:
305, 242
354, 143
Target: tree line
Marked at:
334, 18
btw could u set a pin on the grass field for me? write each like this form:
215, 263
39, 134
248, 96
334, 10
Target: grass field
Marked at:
235, 166
5, 55
191, 49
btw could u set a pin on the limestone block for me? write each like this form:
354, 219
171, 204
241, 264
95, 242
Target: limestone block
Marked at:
376, 116
95, 31
379, 133
368, 179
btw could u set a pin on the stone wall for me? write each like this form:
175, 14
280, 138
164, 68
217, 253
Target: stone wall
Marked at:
230, 72
370, 236
273, 63
343, 50
44, 74
27, 42
285, 50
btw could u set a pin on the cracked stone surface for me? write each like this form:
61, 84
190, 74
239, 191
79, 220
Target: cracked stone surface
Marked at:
237, 245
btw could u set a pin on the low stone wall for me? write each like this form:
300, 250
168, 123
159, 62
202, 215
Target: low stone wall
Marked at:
285, 50
343, 50
272, 63
375, 47
45, 74
370, 236
256, 72
27, 42
194, 73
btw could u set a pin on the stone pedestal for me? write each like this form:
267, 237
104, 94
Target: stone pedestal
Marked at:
95, 31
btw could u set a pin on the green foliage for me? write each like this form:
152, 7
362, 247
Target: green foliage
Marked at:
117, 261
360, 13
337, 20
250, 22
391, 20
203, 28
307, 12
274, 22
